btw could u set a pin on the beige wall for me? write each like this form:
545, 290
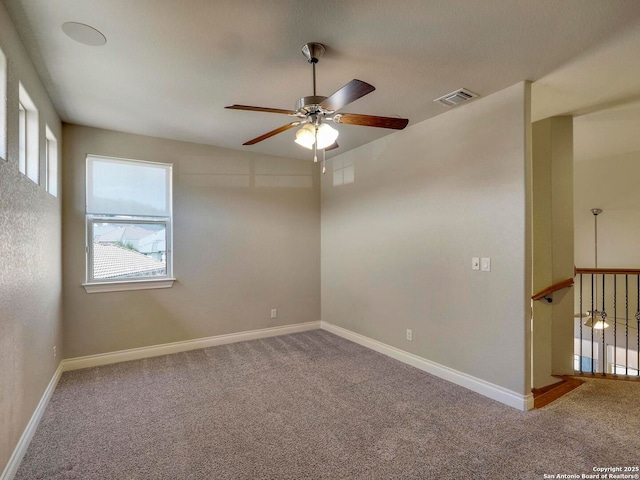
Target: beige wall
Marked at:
606, 172
30, 261
609, 182
246, 239
552, 247
397, 243
607, 166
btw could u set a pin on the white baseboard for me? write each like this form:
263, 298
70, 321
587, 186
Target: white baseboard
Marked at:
134, 354
177, 347
480, 386
21, 448
488, 389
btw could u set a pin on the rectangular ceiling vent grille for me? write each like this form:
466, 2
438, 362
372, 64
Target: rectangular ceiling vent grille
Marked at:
456, 98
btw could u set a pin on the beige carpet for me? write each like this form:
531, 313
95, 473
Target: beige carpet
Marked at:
313, 405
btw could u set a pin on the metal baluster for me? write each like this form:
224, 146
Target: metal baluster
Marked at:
626, 332
603, 315
615, 323
593, 312
580, 321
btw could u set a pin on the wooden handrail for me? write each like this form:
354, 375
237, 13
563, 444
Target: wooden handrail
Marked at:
608, 271
587, 271
553, 288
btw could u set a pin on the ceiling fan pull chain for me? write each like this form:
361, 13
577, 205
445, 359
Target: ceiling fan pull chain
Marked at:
315, 145
324, 161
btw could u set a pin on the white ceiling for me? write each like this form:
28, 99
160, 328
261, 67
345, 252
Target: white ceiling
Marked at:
170, 66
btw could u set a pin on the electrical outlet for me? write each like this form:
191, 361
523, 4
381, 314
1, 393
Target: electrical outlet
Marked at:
55, 353
409, 334
274, 312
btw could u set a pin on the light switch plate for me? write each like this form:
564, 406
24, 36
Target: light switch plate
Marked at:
485, 264
475, 263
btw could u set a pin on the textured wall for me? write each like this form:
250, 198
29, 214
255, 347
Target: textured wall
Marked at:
246, 239
397, 243
30, 260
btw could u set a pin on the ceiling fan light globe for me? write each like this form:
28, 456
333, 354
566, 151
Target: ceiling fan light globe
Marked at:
306, 136
596, 323
327, 135
600, 325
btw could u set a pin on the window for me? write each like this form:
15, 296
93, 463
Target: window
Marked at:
28, 157
51, 163
128, 211
3, 106
22, 132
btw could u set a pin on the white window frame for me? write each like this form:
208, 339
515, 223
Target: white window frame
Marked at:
94, 285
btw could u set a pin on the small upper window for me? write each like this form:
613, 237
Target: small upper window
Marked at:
3, 106
22, 139
28, 157
128, 211
51, 163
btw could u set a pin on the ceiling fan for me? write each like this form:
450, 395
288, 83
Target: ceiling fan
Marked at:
313, 112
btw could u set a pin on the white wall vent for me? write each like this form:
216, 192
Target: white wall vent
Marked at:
456, 98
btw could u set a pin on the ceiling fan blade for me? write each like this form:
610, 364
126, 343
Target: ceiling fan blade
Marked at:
333, 146
371, 120
347, 94
261, 109
281, 129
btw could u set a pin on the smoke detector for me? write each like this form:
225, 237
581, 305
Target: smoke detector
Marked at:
453, 99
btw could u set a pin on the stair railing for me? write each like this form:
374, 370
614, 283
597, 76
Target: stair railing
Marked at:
609, 300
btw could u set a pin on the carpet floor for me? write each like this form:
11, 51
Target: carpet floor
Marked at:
313, 405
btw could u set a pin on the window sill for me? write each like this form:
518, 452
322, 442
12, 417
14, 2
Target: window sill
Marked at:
128, 285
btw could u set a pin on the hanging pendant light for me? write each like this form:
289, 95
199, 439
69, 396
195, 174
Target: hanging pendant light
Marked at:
592, 320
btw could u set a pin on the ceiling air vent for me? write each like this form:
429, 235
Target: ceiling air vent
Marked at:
456, 98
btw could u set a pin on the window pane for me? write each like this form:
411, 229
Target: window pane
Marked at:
29, 141
3, 106
51, 163
128, 250
122, 187
22, 140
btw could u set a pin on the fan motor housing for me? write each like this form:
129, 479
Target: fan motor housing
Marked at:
310, 105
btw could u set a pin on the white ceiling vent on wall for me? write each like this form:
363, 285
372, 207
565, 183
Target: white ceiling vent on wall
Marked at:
456, 98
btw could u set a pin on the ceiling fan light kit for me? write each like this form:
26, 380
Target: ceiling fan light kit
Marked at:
313, 112
596, 324
326, 135
306, 136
